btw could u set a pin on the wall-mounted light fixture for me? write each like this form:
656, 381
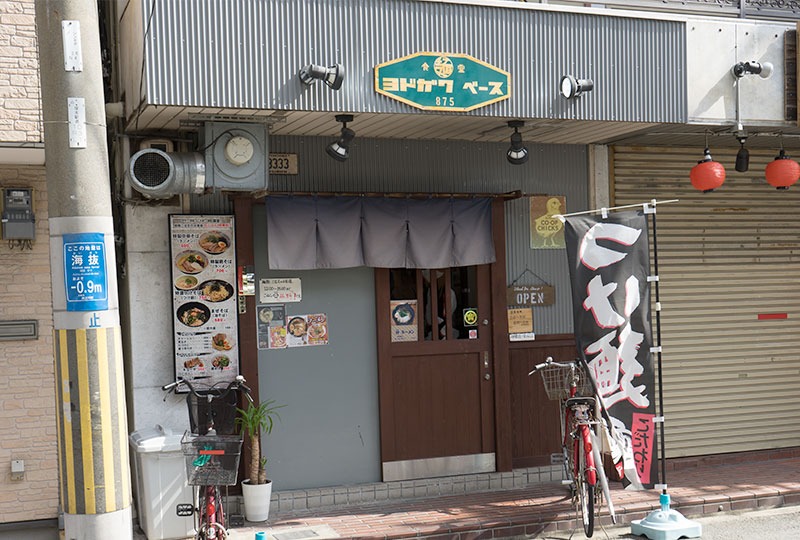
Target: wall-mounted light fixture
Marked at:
339, 149
571, 87
517, 153
763, 70
332, 75
743, 155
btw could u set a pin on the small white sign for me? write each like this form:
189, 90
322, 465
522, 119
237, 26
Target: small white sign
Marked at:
524, 336
279, 290
76, 113
71, 38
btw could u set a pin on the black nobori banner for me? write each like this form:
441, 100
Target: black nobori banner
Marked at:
609, 262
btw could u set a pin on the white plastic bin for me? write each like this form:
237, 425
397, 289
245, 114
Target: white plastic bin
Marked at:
161, 483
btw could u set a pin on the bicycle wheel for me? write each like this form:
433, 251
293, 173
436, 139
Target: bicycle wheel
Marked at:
585, 495
213, 531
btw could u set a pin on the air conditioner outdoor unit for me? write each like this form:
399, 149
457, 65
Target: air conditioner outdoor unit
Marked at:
235, 160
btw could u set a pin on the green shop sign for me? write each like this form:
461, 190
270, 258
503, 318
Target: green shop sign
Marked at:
442, 82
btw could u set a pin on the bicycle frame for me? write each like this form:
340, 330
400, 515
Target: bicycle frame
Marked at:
578, 421
210, 518
579, 441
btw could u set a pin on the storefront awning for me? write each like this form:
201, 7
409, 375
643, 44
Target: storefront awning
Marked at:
305, 233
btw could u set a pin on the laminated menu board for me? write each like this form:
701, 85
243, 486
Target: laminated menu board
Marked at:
204, 303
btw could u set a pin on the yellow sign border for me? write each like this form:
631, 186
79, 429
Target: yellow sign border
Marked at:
434, 108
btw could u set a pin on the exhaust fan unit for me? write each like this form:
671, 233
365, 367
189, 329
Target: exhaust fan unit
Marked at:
236, 156
161, 175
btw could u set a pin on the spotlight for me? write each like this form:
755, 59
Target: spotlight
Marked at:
338, 150
743, 156
332, 75
753, 68
517, 154
572, 87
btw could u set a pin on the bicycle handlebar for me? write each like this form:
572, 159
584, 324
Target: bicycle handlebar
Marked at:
237, 383
550, 362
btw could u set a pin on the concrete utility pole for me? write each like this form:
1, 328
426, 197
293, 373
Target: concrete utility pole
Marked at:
90, 390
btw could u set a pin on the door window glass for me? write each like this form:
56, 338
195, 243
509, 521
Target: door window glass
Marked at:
464, 280
443, 293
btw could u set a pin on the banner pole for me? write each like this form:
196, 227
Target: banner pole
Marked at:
660, 373
665, 522
604, 211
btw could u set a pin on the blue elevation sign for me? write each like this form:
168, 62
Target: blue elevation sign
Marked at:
85, 272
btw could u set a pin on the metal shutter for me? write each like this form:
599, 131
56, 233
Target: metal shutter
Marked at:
731, 380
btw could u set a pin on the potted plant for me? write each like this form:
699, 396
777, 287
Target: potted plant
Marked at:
257, 490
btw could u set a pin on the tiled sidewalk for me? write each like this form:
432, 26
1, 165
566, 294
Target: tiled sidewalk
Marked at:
696, 488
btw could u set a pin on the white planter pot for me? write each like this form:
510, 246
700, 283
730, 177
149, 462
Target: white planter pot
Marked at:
256, 500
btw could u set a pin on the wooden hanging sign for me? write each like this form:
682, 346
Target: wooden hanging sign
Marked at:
530, 295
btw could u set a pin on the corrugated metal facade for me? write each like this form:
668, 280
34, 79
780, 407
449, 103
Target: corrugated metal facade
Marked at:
246, 54
730, 379
385, 165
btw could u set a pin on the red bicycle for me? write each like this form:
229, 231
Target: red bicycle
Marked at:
573, 388
211, 450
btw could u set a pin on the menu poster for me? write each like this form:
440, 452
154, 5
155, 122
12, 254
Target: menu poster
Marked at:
297, 331
304, 330
205, 315
271, 326
404, 320
317, 329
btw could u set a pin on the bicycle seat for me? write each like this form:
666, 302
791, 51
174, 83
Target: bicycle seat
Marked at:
580, 400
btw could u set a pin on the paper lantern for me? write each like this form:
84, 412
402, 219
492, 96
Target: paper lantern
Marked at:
708, 174
782, 172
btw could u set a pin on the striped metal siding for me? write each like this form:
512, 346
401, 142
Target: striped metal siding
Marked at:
246, 54
730, 380
387, 165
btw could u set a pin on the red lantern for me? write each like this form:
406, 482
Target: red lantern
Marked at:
782, 172
708, 174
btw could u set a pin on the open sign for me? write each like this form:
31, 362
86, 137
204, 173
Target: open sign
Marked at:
530, 295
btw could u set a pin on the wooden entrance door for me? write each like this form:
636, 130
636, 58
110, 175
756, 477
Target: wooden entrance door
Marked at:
435, 368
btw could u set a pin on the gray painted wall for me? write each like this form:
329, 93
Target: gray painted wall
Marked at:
385, 165
329, 433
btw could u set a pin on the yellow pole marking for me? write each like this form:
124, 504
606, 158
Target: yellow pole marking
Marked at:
122, 420
105, 420
86, 421
67, 411
59, 428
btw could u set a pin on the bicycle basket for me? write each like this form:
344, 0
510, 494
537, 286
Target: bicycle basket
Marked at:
556, 382
211, 460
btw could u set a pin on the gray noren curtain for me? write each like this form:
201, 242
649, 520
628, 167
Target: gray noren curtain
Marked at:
305, 233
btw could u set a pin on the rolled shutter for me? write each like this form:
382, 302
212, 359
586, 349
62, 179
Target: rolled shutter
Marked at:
729, 265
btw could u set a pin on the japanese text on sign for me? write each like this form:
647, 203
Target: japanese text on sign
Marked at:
280, 290
442, 81
85, 272
609, 267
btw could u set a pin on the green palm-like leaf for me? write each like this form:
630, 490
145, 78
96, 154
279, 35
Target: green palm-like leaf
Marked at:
253, 420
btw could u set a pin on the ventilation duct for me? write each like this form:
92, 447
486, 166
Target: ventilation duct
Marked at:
160, 175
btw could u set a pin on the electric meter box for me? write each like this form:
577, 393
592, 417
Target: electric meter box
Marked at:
17, 215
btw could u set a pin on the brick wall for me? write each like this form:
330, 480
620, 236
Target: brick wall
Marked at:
27, 393
20, 108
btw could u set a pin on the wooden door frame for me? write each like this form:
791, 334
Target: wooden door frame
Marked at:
248, 341
502, 366
499, 349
